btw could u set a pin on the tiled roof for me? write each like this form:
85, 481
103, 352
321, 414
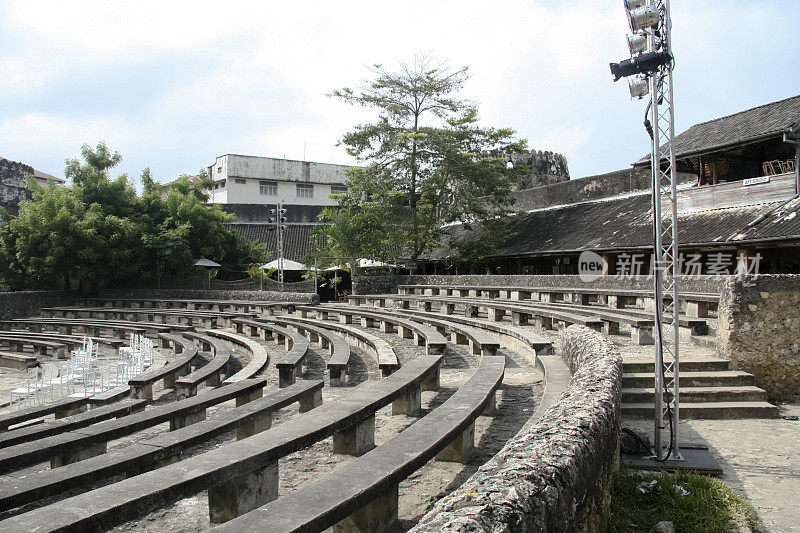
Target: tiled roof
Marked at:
260, 212
621, 223
296, 238
783, 223
740, 128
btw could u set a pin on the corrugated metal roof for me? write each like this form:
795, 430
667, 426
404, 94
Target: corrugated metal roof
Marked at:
296, 238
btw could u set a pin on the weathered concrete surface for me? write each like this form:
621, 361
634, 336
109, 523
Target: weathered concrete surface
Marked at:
556, 474
194, 294
759, 330
28, 303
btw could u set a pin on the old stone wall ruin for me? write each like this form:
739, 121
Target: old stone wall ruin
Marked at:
28, 303
195, 294
555, 475
759, 330
546, 168
13, 184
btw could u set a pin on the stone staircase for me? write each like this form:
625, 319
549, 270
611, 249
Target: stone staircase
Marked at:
709, 390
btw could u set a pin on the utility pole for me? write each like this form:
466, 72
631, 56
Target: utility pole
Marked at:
279, 218
650, 69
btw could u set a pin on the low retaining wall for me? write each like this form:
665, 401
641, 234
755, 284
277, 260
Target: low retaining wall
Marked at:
555, 475
388, 284
194, 294
759, 330
27, 303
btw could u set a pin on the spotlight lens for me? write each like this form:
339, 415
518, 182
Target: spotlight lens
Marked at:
643, 18
637, 43
638, 87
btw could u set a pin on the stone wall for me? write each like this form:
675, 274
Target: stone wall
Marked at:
299, 297
13, 184
28, 303
555, 475
546, 168
759, 330
388, 284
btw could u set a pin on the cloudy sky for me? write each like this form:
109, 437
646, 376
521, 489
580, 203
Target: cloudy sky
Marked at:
171, 85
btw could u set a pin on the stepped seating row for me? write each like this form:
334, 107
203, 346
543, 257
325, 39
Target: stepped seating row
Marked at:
291, 364
697, 304
141, 386
243, 306
55, 349
423, 335
78, 444
94, 327
364, 497
211, 372
16, 361
243, 475
247, 419
337, 347
382, 350
69, 340
259, 357
208, 319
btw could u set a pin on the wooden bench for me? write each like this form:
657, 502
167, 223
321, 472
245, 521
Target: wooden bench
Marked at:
290, 365
337, 347
70, 423
17, 343
243, 475
259, 358
247, 420
79, 444
423, 335
185, 354
210, 372
363, 495
383, 351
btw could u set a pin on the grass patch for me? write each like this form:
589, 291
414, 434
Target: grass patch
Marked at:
709, 507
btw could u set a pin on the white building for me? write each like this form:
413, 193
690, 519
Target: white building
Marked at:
245, 179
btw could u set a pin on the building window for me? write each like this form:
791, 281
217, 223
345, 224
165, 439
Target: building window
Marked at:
240, 181
219, 170
338, 189
305, 191
268, 188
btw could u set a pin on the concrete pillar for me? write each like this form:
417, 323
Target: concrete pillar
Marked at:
247, 428
248, 397
696, 309
458, 338
448, 308
495, 315
459, 450
409, 403
642, 335
519, 319
491, 408
424, 305
62, 413
311, 400
187, 419
544, 322
431, 381
471, 310
78, 454
387, 327
357, 439
367, 322
377, 516
142, 392
242, 494
610, 327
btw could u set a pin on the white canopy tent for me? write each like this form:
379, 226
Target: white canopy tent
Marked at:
286, 264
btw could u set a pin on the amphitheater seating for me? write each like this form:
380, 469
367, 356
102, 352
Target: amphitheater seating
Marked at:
384, 354
93, 327
152, 453
61, 408
16, 361
363, 495
290, 365
185, 354
207, 319
76, 445
259, 358
41, 346
336, 345
77, 421
69, 340
210, 372
423, 335
240, 476
245, 306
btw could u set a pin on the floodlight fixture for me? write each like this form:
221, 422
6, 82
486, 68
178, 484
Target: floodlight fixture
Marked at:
644, 17
639, 87
630, 5
637, 43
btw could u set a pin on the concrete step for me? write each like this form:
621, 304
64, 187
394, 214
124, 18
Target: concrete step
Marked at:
706, 341
706, 410
700, 394
727, 378
688, 365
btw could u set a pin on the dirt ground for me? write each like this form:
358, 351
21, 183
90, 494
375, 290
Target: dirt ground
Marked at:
517, 399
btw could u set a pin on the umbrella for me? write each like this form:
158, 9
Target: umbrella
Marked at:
203, 262
372, 263
287, 264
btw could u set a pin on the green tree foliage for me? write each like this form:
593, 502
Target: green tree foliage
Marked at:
98, 231
426, 159
350, 233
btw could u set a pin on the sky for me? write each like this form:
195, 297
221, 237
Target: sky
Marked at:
171, 85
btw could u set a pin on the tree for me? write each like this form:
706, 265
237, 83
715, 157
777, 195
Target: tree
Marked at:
426, 160
350, 233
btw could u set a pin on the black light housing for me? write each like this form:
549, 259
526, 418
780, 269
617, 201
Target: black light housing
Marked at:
642, 64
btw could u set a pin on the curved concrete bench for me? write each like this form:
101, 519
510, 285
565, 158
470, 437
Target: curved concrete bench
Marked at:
76, 445
69, 340
290, 365
336, 345
258, 360
240, 476
210, 372
181, 364
94, 327
246, 306
77, 421
384, 353
55, 349
16, 361
61, 408
186, 317
423, 335
247, 419
363, 495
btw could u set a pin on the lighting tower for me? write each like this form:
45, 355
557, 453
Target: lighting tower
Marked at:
650, 71
278, 216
